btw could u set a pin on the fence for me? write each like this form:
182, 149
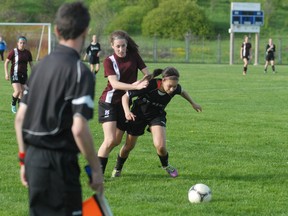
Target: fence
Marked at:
194, 49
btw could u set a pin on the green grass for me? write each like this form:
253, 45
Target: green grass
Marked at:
237, 146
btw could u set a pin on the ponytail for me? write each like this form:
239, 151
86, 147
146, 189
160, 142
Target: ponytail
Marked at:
168, 73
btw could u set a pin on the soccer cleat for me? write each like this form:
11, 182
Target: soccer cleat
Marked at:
171, 171
13, 109
116, 173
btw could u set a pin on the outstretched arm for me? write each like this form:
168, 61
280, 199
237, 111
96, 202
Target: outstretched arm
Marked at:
116, 84
195, 106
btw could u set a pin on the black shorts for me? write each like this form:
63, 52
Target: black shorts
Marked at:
270, 57
22, 78
246, 57
94, 60
53, 179
137, 127
112, 112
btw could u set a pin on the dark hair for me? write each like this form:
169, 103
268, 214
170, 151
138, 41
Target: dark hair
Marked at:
72, 19
119, 34
168, 73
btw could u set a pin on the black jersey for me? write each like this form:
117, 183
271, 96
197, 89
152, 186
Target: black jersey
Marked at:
272, 50
246, 49
151, 102
56, 92
93, 49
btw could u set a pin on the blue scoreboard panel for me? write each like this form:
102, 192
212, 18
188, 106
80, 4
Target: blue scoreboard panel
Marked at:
247, 18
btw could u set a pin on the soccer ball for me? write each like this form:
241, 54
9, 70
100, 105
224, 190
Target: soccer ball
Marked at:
199, 193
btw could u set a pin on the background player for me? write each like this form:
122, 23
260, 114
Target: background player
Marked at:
19, 57
93, 51
246, 53
270, 55
149, 109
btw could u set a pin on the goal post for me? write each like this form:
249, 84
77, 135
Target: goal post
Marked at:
38, 37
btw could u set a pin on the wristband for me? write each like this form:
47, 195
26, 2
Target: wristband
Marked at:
21, 156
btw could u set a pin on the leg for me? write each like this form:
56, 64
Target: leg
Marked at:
97, 68
245, 66
272, 65
123, 154
92, 68
266, 66
112, 138
17, 93
159, 140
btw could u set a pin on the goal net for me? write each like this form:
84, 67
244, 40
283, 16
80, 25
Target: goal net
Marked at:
38, 37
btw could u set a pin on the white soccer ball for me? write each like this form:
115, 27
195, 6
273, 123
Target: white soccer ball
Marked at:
199, 193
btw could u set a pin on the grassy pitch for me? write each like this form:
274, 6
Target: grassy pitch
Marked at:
237, 146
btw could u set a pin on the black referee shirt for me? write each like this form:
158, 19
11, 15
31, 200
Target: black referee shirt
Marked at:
60, 86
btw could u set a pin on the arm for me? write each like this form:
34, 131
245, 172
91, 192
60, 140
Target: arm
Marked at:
7, 77
84, 58
125, 103
195, 106
21, 145
116, 84
84, 140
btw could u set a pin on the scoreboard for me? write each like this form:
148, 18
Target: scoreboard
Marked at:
247, 17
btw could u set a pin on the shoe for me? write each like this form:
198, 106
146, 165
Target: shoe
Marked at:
244, 73
13, 109
116, 173
171, 171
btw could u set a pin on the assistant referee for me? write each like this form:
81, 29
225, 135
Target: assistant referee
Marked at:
52, 122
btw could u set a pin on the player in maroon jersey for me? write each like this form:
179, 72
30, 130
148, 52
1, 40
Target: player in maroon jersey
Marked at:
121, 69
148, 109
19, 58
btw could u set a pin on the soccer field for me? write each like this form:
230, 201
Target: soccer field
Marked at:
237, 146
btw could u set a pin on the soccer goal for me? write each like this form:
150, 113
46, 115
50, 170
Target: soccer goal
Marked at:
38, 37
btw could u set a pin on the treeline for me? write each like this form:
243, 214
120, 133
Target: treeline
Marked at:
162, 18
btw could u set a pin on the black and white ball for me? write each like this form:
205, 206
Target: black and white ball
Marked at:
199, 193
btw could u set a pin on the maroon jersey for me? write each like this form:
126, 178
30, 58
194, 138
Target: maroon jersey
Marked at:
19, 60
126, 70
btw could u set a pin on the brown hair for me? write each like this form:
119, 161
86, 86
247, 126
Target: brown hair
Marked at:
119, 34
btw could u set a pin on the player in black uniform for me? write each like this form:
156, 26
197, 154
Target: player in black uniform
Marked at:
52, 122
270, 57
93, 51
149, 109
246, 53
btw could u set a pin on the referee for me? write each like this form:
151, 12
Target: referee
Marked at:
52, 122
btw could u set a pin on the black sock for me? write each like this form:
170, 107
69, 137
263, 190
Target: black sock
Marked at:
14, 101
120, 163
164, 160
245, 69
103, 162
273, 68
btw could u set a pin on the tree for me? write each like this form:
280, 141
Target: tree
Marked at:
173, 19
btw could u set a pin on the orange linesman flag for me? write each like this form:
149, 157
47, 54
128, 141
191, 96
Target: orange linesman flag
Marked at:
96, 206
